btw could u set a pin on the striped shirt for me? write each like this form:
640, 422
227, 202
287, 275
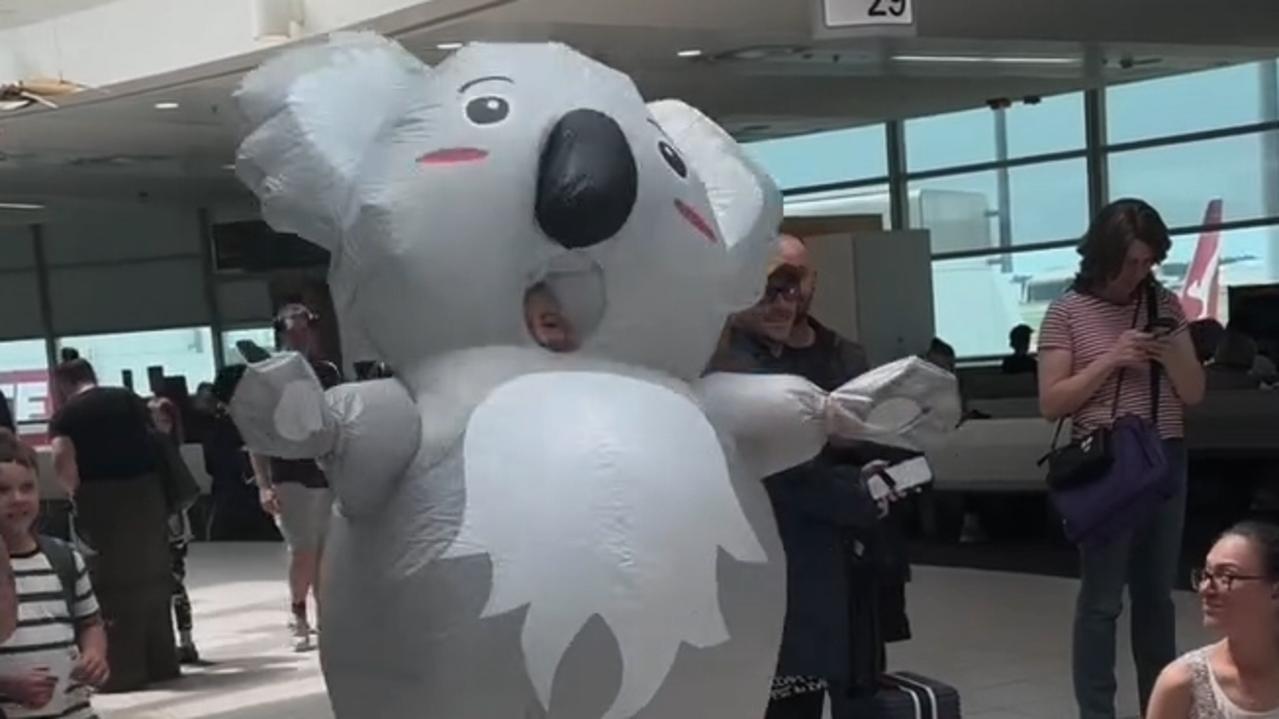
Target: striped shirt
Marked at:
1088, 327
46, 635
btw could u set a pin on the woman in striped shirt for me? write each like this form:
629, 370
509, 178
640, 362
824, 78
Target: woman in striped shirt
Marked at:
1093, 337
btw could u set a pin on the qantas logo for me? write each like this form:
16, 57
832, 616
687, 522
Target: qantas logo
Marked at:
1201, 290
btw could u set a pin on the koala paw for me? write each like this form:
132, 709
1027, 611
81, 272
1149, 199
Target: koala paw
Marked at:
280, 409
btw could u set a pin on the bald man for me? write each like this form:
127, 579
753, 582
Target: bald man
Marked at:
824, 514
780, 322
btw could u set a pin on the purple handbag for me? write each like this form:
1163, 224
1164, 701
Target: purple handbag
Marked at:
1133, 486
1126, 494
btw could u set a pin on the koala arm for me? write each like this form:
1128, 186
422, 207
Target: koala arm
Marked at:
363, 435
775, 421
780, 421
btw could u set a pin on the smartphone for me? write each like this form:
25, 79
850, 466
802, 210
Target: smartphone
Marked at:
1162, 327
901, 478
251, 352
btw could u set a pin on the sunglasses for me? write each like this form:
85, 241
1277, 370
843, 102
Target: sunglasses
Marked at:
789, 291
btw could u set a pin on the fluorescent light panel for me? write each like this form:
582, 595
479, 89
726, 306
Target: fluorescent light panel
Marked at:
20, 206
983, 59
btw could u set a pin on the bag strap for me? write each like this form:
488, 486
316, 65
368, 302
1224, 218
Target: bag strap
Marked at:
1152, 314
62, 558
1123, 371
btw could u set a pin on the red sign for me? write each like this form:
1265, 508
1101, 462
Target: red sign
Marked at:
28, 393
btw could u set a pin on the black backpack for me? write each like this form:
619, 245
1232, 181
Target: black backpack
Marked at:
62, 558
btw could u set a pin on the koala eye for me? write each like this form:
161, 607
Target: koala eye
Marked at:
672, 158
488, 110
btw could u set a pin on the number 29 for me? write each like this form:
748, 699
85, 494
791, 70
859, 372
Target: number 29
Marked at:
885, 8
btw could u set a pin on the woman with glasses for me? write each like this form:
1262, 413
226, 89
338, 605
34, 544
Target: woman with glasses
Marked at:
1237, 678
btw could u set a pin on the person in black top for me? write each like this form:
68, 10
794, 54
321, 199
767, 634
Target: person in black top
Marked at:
296, 491
825, 515
1020, 361
105, 457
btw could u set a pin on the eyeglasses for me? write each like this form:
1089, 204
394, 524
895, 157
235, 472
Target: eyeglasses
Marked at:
1221, 581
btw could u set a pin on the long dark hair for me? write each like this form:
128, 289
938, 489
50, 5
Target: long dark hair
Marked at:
1265, 537
1104, 248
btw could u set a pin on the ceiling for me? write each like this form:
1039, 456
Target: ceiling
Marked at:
762, 74
24, 12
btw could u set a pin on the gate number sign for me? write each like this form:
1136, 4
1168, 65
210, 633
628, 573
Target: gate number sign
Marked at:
856, 13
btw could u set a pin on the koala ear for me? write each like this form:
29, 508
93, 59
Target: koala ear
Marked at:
747, 204
312, 114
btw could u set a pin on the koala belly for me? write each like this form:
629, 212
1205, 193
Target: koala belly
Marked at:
585, 551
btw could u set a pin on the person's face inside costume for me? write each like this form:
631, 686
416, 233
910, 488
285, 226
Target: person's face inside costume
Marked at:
546, 321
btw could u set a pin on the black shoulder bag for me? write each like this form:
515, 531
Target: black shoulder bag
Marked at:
1084, 461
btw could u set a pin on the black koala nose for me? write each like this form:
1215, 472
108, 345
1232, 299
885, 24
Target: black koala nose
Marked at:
586, 180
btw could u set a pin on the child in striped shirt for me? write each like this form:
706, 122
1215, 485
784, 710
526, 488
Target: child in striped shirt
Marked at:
59, 649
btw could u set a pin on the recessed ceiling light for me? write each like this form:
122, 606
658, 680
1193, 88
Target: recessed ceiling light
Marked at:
167, 106
229, 166
451, 45
20, 206
689, 53
985, 59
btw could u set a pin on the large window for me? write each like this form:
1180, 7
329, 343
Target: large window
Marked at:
824, 158
977, 300
1211, 100
24, 379
1054, 124
1005, 193
1245, 257
185, 352
861, 200
1180, 180
1045, 203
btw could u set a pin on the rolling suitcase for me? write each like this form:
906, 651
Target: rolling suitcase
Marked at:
904, 695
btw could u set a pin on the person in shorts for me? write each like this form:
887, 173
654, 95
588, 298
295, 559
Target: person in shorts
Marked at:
296, 492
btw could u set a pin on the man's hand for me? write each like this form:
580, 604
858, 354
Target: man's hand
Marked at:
33, 690
870, 475
269, 499
91, 669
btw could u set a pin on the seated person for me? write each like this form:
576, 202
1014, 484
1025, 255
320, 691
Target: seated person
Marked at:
941, 354
1239, 676
1206, 336
1020, 361
1233, 363
546, 321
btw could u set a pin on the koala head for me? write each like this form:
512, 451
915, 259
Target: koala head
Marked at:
445, 194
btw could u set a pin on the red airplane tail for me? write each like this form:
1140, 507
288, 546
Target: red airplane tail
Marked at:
1201, 290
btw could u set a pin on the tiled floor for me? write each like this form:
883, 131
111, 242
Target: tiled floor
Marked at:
240, 603
1003, 639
